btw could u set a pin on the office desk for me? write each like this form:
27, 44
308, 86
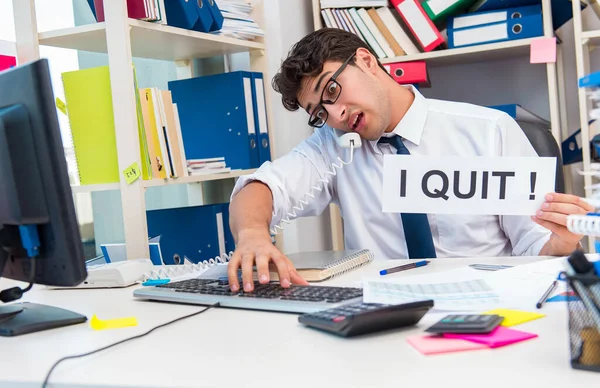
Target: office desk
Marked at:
226, 347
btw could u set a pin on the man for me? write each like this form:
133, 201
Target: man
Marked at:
340, 83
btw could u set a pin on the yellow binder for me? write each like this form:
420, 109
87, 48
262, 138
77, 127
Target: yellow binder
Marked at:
90, 111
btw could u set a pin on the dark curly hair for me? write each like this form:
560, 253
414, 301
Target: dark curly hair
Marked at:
306, 59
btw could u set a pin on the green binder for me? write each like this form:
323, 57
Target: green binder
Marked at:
439, 10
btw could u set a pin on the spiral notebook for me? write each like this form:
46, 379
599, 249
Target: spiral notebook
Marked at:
323, 265
312, 266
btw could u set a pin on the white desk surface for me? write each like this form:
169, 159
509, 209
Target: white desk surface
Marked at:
240, 348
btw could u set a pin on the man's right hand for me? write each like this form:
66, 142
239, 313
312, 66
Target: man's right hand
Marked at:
255, 247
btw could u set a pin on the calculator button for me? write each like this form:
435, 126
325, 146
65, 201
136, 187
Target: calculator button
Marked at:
472, 318
338, 319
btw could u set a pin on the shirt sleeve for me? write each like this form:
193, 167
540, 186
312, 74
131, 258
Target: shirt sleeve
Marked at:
298, 181
526, 236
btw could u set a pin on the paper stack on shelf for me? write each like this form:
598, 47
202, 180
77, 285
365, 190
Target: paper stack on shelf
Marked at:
237, 21
207, 166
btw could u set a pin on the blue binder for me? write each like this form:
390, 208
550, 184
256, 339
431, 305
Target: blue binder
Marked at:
188, 231
216, 113
189, 14
229, 240
495, 26
216, 14
260, 118
562, 10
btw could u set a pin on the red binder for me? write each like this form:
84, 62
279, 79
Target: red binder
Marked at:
408, 72
136, 9
6, 62
419, 24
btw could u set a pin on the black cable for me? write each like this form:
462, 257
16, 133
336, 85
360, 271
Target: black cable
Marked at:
15, 293
122, 341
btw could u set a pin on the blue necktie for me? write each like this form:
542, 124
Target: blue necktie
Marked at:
416, 226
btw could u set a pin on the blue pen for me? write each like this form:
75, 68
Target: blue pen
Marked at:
155, 282
404, 267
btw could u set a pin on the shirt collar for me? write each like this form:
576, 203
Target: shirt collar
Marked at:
412, 123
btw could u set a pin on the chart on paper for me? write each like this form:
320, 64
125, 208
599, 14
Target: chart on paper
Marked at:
466, 295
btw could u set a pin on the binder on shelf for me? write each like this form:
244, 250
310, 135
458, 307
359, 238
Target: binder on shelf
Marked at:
404, 73
439, 10
562, 10
495, 26
216, 114
191, 15
195, 232
420, 25
216, 15
366, 33
260, 118
390, 21
152, 10
89, 108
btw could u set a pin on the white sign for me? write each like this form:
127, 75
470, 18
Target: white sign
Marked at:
466, 185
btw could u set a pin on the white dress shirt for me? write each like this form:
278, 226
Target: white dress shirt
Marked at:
430, 127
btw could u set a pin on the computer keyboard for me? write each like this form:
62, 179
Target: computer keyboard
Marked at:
271, 297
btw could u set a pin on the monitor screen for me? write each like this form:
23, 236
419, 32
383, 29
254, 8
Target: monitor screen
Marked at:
39, 234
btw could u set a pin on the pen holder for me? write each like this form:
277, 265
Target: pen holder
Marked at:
584, 321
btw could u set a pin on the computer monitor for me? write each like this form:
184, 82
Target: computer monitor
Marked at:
39, 235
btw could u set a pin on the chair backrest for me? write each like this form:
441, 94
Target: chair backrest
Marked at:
543, 142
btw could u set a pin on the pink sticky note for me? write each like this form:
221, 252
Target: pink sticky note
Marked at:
431, 344
501, 336
543, 50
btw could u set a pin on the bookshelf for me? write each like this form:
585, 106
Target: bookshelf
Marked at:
584, 43
482, 54
122, 39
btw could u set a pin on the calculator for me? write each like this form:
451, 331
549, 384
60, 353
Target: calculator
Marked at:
362, 318
470, 323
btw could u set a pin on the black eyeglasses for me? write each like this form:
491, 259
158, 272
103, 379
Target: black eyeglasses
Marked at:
330, 94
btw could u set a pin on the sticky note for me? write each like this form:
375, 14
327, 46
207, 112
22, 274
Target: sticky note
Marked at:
132, 173
61, 105
515, 317
432, 344
100, 324
543, 50
501, 336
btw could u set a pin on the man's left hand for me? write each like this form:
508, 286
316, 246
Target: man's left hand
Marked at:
553, 216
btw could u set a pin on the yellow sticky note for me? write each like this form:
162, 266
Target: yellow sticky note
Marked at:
132, 172
102, 324
61, 105
515, 317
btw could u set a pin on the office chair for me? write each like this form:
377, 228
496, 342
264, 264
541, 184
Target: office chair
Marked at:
543, 142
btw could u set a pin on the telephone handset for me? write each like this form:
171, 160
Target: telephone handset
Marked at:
345, 140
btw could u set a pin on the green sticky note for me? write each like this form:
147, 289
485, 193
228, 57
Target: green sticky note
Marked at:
132, 173
61, 105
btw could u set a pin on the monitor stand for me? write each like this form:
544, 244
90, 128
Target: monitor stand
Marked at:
23, 318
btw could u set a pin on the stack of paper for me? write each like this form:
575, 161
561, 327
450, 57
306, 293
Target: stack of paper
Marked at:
237, 21
207, 166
